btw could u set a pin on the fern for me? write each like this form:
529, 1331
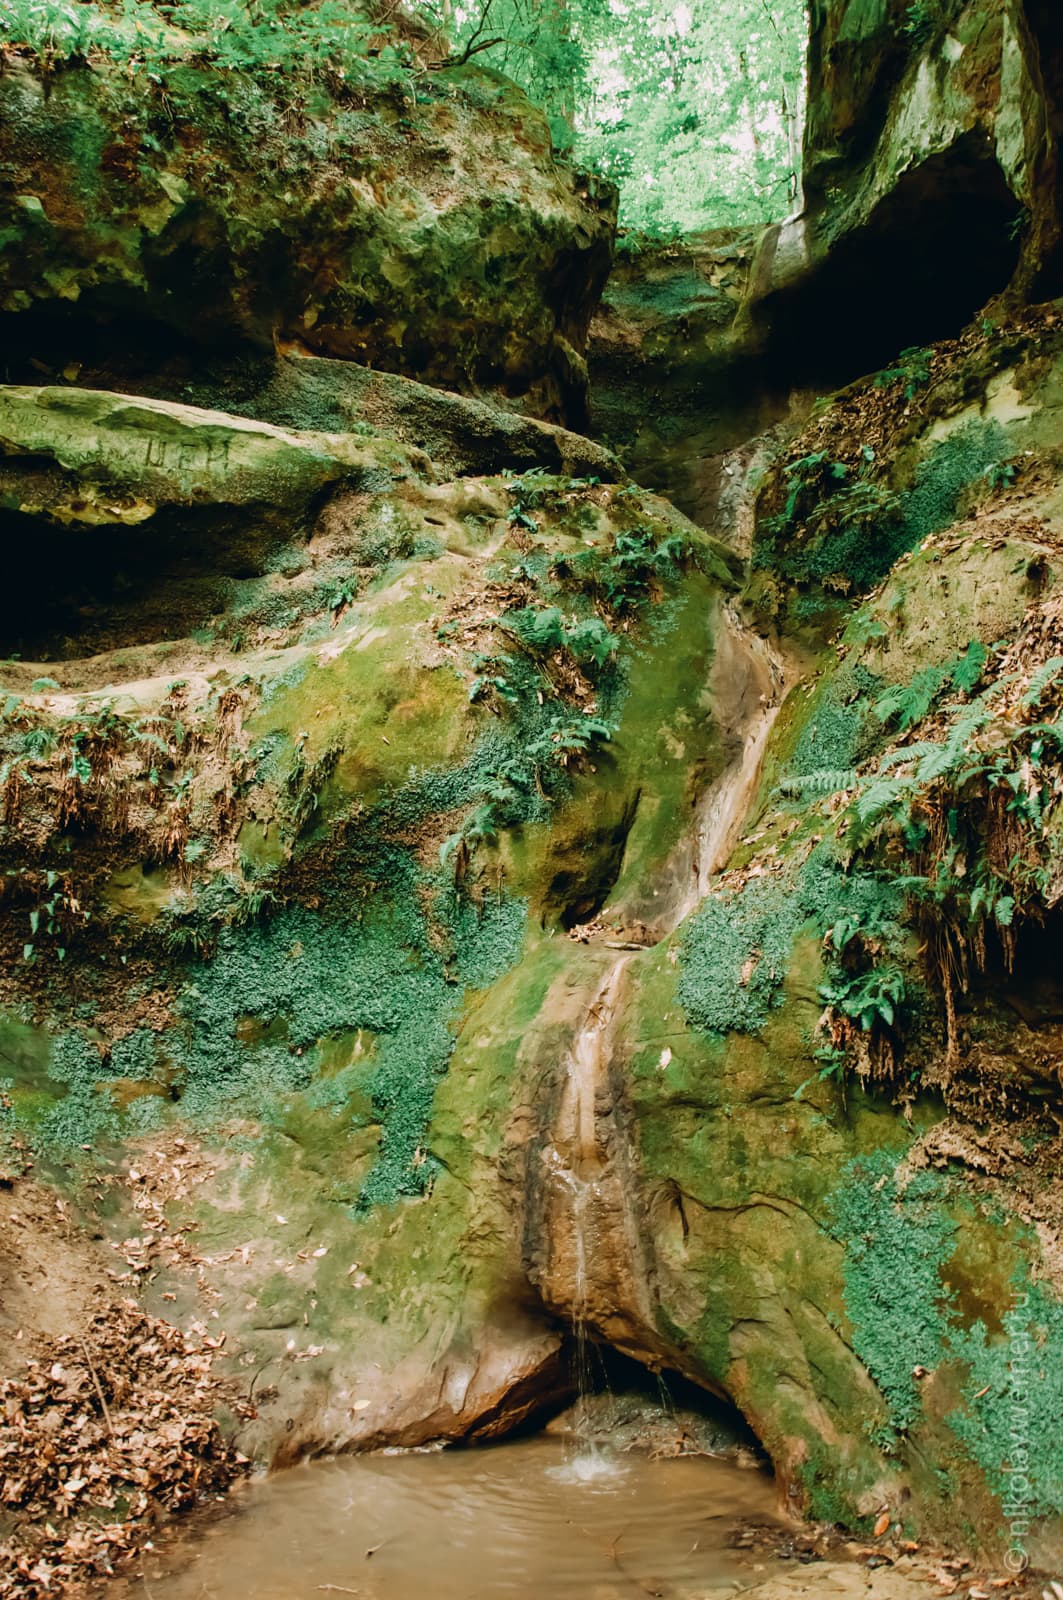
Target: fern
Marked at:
591, 641
868, 998
567, 741
912, 369
824, 782
38, 743
1042, 680
885, 798
542, 631
908, 752
966, 673
908, 703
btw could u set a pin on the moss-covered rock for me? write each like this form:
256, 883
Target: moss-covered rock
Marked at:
86, 457
431, 234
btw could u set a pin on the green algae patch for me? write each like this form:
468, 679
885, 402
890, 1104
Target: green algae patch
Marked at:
379, 709
946, 1317
735, 950
668, 741
326, 976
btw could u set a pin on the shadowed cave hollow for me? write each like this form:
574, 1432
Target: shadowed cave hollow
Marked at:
599, 1393
941, 244
72, 592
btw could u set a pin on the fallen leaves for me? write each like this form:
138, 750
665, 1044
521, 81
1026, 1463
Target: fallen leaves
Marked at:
97, 1439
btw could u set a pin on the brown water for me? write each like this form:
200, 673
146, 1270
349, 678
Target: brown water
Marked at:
533, 1520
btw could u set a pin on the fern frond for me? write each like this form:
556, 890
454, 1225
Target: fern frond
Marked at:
826, 781
1042, 678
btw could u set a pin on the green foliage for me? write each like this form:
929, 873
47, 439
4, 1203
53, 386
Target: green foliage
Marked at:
327, 38
624, 576
836, 522
255, 1018
956, 463
907, 704
589, 641
341, 594
868, 998
1041, 681
815, 785
844, 528
1001, 474
569, 739
1017, 1377
735, 950
653, 96
962, 818
85, 1113
837, 733
921, 19
912, 369
38, 743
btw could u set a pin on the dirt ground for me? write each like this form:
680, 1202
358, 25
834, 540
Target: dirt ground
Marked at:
107, 1414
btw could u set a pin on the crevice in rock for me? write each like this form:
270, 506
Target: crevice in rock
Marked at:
585, 876
1045, 20
631, 1404
74, 592
123, 348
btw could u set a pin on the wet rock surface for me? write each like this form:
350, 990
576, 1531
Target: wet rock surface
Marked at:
452, 904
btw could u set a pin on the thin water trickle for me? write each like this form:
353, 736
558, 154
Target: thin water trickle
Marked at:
575, 1164
581, 1192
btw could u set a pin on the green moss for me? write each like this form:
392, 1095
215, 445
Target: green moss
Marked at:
953, 465
835, 732
896, 1244
736, 950
826, 1500
83, 1112
1013, 1399
322, 975
906, 1304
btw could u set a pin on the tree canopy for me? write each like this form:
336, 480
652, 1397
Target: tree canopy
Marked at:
693, 106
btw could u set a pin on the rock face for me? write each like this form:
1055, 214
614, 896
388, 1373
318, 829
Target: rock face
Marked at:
457, 907
129, 457
677, 381
437, 238
930, 179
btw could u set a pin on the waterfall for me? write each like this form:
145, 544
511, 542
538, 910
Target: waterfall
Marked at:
586, 1241
577, 1162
